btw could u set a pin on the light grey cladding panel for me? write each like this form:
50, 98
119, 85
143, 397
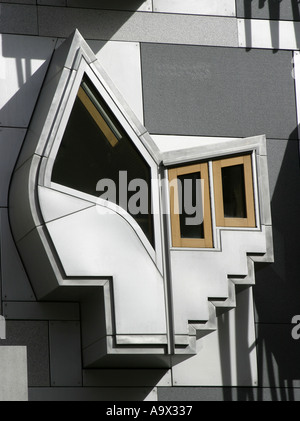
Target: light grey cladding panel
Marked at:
10, 143
19, 19
33, 335
275, 10
277, 287
15, 283
146, 27
191, 90
13, 368
139, 5
203, 7
65, 353
278, 356
23, 64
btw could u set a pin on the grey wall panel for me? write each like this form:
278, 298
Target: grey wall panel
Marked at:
126, 378
140, 5
190, 90
92, 394
277, 288
278, 356
272, 9
33, 335
65, 353
129, 26
19, 19
61, 3
41, 311
10, 144
15, 283
19, 1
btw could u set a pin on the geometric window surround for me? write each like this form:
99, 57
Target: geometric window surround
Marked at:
149, 282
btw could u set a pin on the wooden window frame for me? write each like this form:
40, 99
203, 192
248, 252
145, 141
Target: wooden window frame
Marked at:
221, 220
177, 240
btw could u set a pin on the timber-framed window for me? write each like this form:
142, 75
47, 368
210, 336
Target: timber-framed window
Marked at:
229, 185
190, 206
233, 190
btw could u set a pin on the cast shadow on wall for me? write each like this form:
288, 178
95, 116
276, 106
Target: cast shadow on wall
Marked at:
15, 117
277, 288
276, 295
274, 11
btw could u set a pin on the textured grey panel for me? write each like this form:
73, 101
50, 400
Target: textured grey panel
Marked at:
190, 90
278, 356
277, 287
10, 144
147, 27
18, 19
272, 9
90, 394
141, 5
41, 311
65, 353
15, 283
35, 336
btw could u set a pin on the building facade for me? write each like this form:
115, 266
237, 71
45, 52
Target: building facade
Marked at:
109, 296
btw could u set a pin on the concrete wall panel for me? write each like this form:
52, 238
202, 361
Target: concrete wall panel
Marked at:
19, 19
146, 27
33, 335
15, 283
204, 7
65, 353
13, 368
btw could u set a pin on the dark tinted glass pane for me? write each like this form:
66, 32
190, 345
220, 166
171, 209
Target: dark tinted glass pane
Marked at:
190, 205
234, 197
95, 147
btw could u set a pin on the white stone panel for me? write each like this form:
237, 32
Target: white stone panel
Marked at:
196, 7
13, 369
122, 63
258, 33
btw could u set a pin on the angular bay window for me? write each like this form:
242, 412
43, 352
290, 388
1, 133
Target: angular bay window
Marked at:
233, 188
97, 157
190, 206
